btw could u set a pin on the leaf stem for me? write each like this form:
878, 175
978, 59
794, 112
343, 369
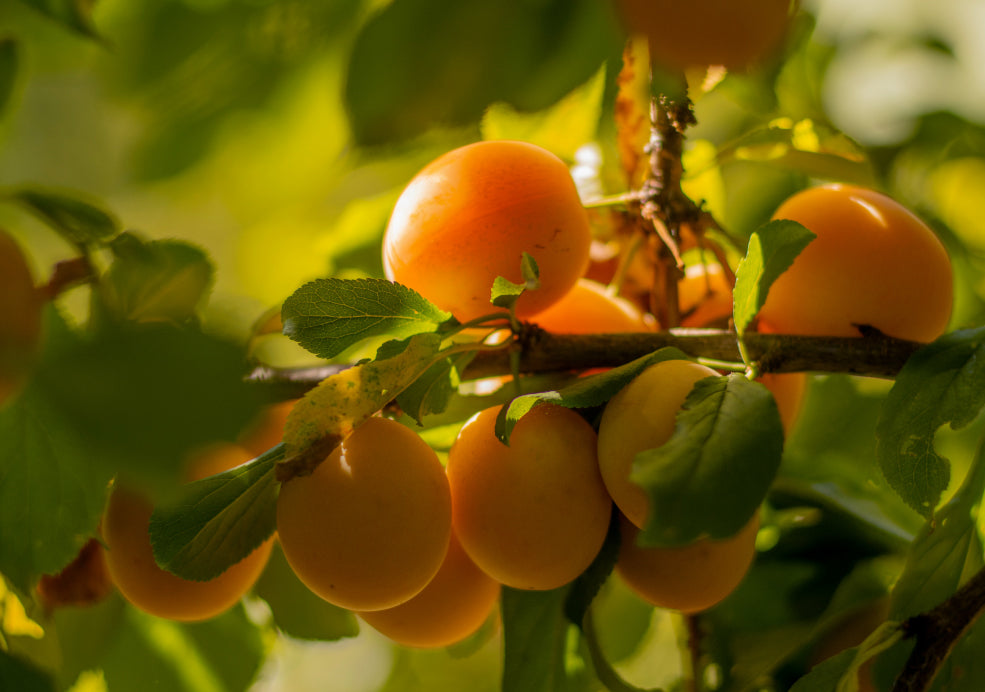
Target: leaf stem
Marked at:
604, 671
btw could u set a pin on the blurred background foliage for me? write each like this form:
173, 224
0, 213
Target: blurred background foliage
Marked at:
276, 135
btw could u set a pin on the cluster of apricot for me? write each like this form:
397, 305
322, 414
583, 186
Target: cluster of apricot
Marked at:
420, 550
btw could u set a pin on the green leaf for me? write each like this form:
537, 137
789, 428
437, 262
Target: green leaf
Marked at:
18, 674
431, 392
328, 316
586, 392
943, 382
296, 610
137, 651
824, 676
78, 221
342, 401
528, 55
75, 15
218, 521
940, 552
772, 249
143, 396
715, 470
586, 586
505, 293
157, 280
534, 639
45, 463
10, 65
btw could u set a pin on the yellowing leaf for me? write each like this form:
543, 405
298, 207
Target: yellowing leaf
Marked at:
342, 401
13, 618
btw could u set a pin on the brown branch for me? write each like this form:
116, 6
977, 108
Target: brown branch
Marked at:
543, 352
937, 632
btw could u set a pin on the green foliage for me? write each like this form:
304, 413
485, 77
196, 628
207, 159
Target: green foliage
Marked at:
527, 55
941, 384
328, 316
17, 674
77, 220
772, 249
10, 66
125, 391
716, 469
74, 15
584, 393
297, 611
224, 653
505, 293
218, 521
160, 280
535, 635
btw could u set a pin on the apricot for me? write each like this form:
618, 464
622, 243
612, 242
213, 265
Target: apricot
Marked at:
369, 528
688, 578
454, 604
699, 33
642, 416
532, 515
20, 317
588, 309
130, 557
469, 216
873, 263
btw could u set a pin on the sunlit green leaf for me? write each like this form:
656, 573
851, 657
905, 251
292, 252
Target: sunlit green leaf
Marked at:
296, 610
716, 469
328, 316
585, 588
218, 521
942, 383
772, 249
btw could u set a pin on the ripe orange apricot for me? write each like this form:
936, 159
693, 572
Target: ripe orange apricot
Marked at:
451, 607
688, 578
873, 263
588, 309
642, 416
532, 515
130, 557
20, 317
470, 214
708, 32
369, 528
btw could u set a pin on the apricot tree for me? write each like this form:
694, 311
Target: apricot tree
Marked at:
577, 337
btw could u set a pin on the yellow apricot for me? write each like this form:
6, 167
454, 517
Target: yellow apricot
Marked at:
532, 515
369, 528
130, 557
688, 578
451, 607
642, 416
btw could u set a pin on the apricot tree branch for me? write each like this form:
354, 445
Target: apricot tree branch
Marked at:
937, 632
873, 355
